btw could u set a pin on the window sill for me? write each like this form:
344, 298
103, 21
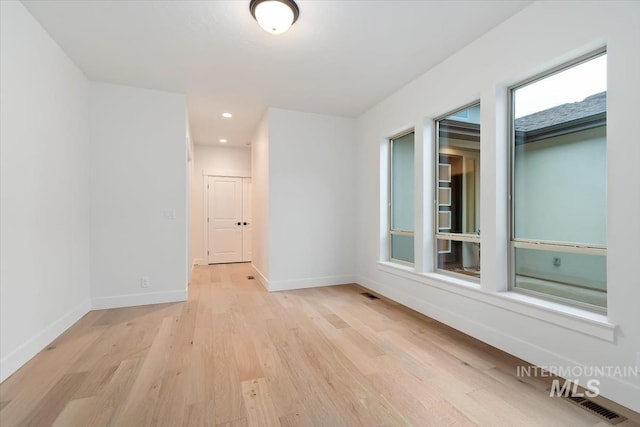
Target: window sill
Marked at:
576, 319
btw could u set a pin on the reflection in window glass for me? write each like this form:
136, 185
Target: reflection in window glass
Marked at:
402, 247
459, 257
402, 183
402, 209
559, 184
573, 276
458, 192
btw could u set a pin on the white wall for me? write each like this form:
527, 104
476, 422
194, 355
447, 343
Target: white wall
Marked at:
224, 161
138, 204
44, 197
260, 199
311, 199
515, 50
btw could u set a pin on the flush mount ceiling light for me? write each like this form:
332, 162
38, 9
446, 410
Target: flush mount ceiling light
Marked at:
227, 115
274, 16
223, 141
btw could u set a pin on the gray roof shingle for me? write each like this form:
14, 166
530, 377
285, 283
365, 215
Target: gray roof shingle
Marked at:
590, 106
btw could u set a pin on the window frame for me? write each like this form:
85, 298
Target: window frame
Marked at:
541, 244
390, 230
437, 234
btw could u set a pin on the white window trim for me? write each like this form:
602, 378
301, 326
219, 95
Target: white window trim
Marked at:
438, 233
515, 242
459, 237
584, 321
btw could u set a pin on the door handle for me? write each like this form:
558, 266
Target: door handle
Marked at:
246, 223
239, 223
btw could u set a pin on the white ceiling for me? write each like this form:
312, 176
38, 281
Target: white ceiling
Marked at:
340, 57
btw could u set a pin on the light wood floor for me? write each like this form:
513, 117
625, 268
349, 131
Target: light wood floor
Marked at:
235, 355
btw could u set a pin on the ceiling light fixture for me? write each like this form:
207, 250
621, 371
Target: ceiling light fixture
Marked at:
274, 16
223, 141
227, 115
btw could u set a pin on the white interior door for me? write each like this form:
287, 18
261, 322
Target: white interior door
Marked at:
247, 219
224, 220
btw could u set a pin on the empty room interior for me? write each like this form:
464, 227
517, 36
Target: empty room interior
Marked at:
319, 213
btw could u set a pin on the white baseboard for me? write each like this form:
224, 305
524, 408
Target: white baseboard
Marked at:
193, 265
311, 282
138, 299
261, 278
617, 389
21, 355
199, 261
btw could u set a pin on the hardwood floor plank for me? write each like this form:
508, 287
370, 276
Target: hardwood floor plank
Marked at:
367, 347
141, 400
81, 412
201, 378
170, 407
227, 391
246, 357
319, 406
200, 414
297, 419
169, 410
336, 321
286, 396
95, 382
339, 378
257, 400
34, 381
408, 403
242, 422
49, 407
110, 400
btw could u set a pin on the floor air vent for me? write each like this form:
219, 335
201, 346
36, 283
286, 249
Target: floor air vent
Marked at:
602, 412
368, 295
250, 277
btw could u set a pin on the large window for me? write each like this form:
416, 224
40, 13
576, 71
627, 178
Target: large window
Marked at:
402, 193
559, 198
458, 192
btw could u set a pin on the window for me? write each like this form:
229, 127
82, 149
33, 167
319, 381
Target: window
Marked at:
401, 206
458, 192
559, 200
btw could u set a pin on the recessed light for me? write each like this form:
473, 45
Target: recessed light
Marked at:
223, 141
227, 115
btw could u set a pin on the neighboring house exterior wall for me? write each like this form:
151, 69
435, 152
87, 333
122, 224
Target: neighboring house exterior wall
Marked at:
545, 172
